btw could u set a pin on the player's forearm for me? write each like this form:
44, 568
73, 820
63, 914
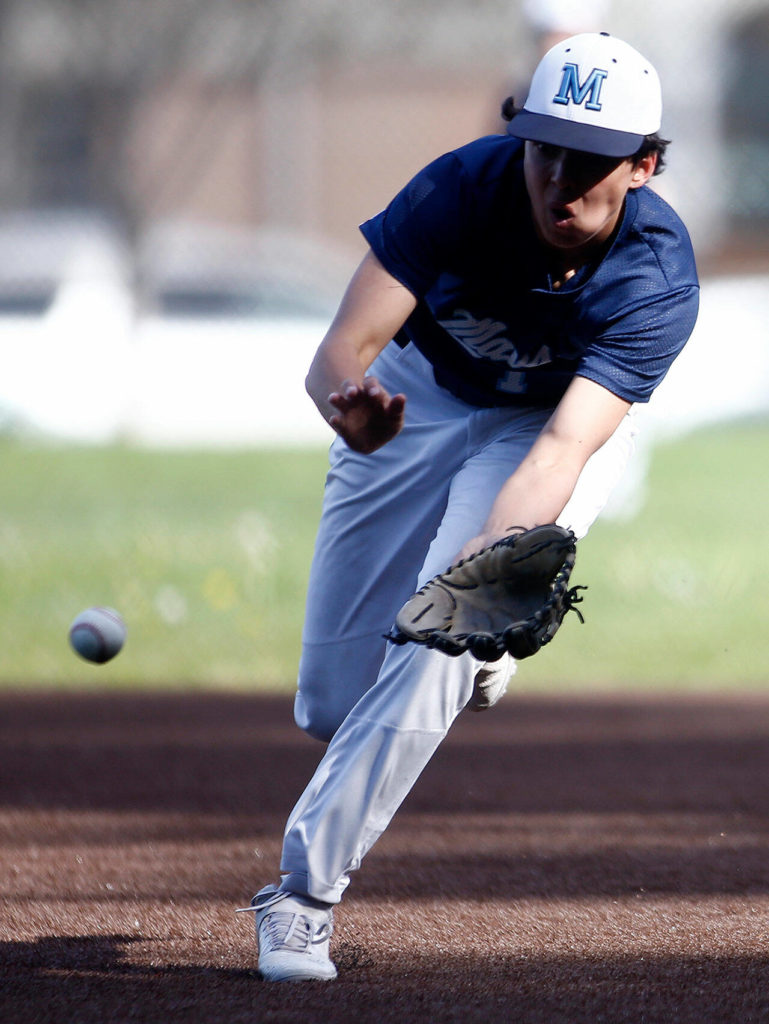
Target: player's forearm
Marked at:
536, 493
539, 489
374, 307
334, 363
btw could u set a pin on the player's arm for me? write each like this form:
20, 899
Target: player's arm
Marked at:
538, 490
373, 309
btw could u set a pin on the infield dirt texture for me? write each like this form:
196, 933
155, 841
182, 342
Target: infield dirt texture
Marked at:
561, 860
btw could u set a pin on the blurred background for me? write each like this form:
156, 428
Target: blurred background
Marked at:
180, 188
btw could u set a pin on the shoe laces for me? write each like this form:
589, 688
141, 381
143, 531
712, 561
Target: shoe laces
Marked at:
286, 929
292, 931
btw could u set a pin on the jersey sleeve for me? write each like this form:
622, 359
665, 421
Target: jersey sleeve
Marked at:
415, 236
635, 351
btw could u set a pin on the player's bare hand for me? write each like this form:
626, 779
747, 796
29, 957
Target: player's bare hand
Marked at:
366, 416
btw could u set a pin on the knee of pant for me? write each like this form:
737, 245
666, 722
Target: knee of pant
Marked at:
332, 679
319, 718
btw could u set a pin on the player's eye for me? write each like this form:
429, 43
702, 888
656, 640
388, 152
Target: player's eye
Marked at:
546, 150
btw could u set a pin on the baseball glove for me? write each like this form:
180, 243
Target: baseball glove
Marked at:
510, 597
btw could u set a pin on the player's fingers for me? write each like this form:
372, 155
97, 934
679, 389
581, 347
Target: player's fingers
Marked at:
347, 391
344, 400
338, 401
394, 410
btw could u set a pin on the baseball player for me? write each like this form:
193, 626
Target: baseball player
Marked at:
520, 296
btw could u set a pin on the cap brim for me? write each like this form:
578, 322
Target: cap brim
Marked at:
587, 138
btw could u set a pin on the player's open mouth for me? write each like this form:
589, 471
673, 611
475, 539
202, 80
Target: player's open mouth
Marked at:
562, 215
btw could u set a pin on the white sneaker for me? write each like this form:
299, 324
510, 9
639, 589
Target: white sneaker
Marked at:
292, 934
490, 684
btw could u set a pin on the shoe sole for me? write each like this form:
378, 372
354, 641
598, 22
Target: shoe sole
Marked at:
279, 977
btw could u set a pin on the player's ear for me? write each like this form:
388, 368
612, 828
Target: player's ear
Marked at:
643, 170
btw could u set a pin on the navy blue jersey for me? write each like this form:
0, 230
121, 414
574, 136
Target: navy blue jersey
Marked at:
460, 237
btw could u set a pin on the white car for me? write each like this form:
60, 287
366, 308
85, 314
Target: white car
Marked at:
226, 382
230, 322
65, 316
205, 340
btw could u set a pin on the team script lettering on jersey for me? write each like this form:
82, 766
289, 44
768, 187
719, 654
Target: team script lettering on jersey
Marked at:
486, 339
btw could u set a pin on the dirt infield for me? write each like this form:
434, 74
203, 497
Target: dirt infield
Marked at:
561, 860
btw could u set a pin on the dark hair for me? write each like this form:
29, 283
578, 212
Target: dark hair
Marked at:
651, 144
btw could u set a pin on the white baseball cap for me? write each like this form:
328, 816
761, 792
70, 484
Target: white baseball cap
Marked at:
594, 93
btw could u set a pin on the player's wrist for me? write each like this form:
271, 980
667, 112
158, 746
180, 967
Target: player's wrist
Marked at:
499, 528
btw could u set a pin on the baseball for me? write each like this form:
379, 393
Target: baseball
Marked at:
97, 634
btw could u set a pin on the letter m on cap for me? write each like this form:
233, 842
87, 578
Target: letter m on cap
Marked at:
588, 92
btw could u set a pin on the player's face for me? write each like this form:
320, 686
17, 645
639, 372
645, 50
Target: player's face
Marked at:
577, 198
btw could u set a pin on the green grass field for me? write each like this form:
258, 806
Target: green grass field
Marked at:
678, 596
206, 555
